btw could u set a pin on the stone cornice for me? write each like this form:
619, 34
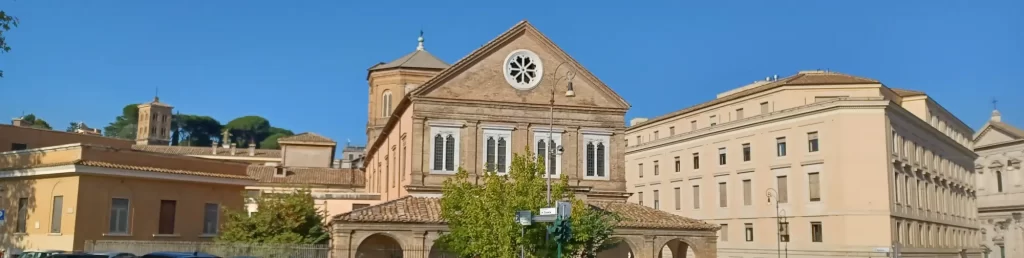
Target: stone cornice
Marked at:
786, 114
514, 105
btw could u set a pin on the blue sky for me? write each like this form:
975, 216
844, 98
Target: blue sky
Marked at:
302, 64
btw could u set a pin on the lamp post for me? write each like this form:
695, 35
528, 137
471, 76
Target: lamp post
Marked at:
771, 192
569, 75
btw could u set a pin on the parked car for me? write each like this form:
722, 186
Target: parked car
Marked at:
117, 255
79, 255
40, 253
179, 255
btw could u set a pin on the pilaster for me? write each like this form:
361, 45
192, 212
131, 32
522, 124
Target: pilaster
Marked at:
418, 149
471, 152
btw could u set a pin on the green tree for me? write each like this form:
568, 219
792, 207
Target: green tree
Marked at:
481, 216
195, 130
271, 141
6, 23
290, 218
73, 126
248, 129
36, 122
124, 125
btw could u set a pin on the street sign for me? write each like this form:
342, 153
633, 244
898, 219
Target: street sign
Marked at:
548, 211
3, 215
881, 249
564, 209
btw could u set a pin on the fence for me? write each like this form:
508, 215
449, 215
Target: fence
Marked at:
219, 249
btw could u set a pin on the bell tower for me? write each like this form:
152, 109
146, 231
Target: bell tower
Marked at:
154, 123
389, 82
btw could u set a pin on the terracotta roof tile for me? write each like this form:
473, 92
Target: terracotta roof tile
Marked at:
195, 150
802, 78
306, 137
104, 164
428, 210
308, 176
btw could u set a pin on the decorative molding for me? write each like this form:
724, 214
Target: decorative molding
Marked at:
778, 166
694, 177
544, 129
742, 171
812, 162
81, 169
498, 127
723, 173
446, 123
597, 131
673, 180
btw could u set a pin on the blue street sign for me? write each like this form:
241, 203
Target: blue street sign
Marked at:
3, 215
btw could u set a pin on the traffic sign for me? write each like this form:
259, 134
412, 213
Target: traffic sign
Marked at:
3, 215
548, 211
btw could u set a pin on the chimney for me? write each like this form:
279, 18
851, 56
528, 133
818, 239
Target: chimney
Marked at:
252, 149
232, 149
215, 148
20, 122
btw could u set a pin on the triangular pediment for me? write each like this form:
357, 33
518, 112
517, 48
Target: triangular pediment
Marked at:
995, 164
480, 76
991, 135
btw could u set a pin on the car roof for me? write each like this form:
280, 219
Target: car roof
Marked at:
186, 254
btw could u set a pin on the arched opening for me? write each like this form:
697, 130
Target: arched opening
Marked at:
379, 246
676, 248
620, 249
437, 251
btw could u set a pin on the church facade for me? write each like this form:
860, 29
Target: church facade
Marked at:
516, 94
1000, 148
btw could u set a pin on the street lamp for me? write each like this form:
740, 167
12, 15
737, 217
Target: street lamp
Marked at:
552, 150
771, 192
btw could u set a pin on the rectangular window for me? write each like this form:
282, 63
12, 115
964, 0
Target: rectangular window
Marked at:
119, 211
696, 197
780, 146
356, 206
638, 138
22, 215
445, 147
55, 215
814, 187
693, 125
168, 209
640, 170
656, 168
540, 140
749, 230
721, 156
211, 214
497, 145
677, 193
18, 146
747, 192
677, 164
657, 200
656, 135
671, 130
764, 108
739, 114
746, 152
724, 232
713, 120
640, 198
812, 142
895, 147
723, 197
783, 189
696, 160
896, 185
597, 149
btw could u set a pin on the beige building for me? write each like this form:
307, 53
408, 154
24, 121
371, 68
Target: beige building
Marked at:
58, 197
853, 166
476, 114
1000, 147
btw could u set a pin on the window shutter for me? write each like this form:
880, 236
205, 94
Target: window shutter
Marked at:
600, 159
747, 192
502, 155
723, 199
783, 190
677, 193
438, 152
490, 154
696, 197
449, 159
812, 184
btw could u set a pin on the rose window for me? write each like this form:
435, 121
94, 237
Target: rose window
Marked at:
523, 69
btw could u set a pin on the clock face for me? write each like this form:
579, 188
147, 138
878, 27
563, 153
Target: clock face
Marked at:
523, 69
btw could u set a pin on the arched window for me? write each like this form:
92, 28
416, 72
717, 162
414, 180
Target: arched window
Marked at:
999, 181
385, 102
